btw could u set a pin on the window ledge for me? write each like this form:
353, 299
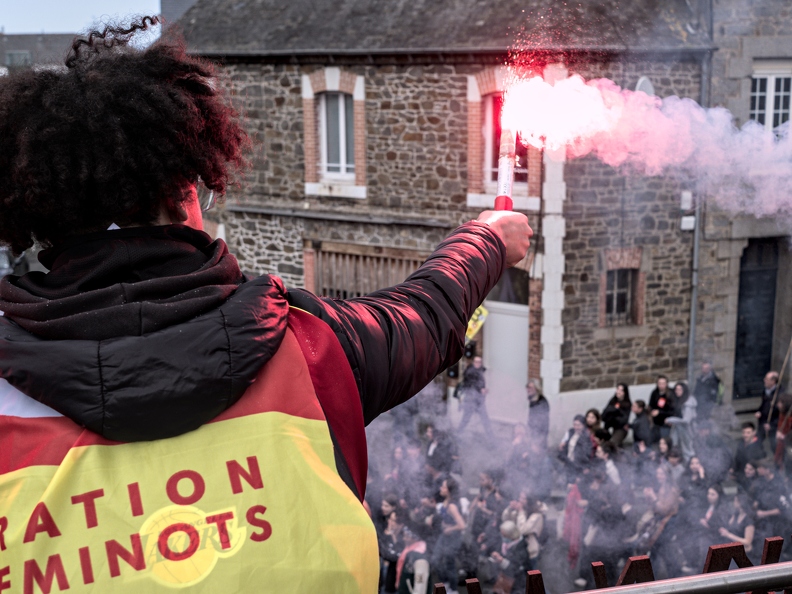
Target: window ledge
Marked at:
529, 203
336, 189
616, 332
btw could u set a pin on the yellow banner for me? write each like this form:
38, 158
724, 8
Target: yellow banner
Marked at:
247, 504
476, 322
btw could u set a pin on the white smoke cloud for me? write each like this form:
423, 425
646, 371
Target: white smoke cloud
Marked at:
747, 170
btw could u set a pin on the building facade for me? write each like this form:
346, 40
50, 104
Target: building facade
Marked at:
375, 138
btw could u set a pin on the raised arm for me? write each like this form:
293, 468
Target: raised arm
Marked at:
398, 339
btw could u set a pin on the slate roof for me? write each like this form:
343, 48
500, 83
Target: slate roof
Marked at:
44, 48
283, 27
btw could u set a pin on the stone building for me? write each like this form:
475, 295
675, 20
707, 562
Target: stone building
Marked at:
375, 126
26, 49
744, 320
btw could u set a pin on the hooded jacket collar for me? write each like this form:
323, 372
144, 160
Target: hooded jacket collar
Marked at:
132, 327
125, 282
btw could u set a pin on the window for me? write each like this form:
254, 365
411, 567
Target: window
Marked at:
622, 288
771, 88
336, 125
334, 129
485, 102
16, 58
513, 287
492, 133
620, 297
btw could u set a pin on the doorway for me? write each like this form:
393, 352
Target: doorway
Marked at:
753, 352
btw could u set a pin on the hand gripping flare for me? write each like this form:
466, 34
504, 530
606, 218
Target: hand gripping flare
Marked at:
506, 160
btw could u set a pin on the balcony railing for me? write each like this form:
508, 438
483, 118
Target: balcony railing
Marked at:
716, 577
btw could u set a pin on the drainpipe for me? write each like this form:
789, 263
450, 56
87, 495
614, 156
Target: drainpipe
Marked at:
706, 76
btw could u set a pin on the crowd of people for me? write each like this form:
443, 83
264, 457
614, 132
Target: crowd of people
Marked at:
633, 478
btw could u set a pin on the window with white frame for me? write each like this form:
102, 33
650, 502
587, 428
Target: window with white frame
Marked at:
771, 89
337, 132
493, 105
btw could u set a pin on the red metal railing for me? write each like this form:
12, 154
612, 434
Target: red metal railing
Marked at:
638, 570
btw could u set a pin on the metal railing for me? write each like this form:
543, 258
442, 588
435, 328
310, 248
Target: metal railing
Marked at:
716, 577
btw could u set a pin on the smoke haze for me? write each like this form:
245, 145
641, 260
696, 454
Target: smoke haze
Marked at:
747, 170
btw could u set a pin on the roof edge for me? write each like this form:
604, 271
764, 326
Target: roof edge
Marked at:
217, 53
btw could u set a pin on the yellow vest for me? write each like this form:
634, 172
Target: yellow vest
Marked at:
251, 502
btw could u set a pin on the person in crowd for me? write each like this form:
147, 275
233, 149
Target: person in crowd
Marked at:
388, 505
393, 482
412, 566
519, 461
511, 559
675, 466
664, 500
616, 415
749, 449
747, 480
661, 406
600, 436
441, 451
486, 509
645, 461
538, 481
713, 451
538, 412
701, 528
707, 391
767, 414
432, 480
661, 450
642, 426
529, 516
681, 422
739, 526
391, 544
605, 453
771, 504
473, 390
412, 473
576, 449
783, 451
593, 421
602, 528
426, 519
693, 484
449, 542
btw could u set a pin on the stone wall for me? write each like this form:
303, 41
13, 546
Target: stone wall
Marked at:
743, 32
266, 244
416, 165
609, 209
269, 244
416, 125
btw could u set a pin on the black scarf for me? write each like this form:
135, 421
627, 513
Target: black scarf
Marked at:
125, 282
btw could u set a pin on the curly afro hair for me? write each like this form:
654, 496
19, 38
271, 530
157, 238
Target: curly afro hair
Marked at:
111, 138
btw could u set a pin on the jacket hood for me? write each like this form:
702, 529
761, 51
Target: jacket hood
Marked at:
132, 327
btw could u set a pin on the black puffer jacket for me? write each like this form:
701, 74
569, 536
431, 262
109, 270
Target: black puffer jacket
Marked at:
151, 332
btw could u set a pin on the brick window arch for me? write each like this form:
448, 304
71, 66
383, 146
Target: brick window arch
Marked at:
334, 128
484, 97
